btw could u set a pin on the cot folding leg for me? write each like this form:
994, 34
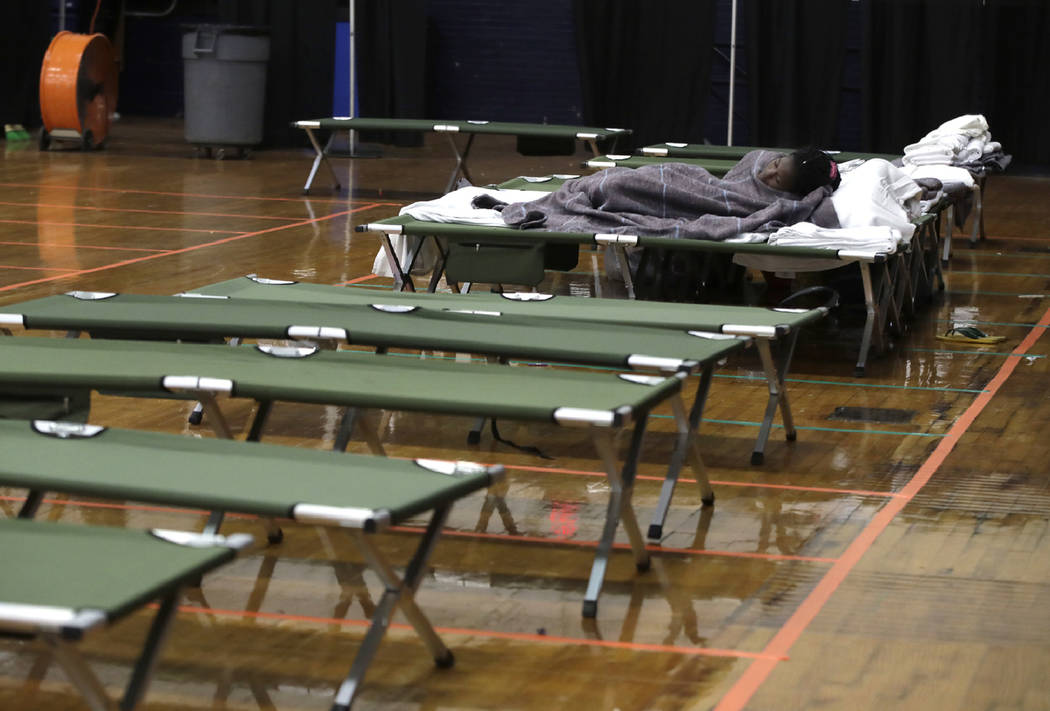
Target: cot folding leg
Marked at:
402, 279
778, 397
320, 156
89, 685
355, 417
625, 269
400, 591
947, 244
621, 486
872, 327
461, 161
685, 443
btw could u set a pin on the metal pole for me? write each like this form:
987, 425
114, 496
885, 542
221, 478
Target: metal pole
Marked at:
61, 15
732, 74
352, 113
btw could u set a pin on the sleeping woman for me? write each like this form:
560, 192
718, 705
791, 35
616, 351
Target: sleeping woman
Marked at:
763, 192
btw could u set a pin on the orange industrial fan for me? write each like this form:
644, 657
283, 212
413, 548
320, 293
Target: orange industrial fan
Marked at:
78, 89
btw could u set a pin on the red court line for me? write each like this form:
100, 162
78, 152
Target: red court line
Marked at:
200, 195
82, 246
119, 227
150, 212
761, 485
741, 692
516, 636
188, 249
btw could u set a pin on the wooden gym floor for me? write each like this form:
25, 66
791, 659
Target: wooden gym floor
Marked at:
893, 564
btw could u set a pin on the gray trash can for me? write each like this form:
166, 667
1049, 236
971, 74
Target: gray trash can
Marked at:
225, 85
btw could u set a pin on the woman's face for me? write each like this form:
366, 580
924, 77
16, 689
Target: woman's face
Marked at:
779, 173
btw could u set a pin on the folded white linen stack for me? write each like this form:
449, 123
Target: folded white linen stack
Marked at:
877, 238
956, 142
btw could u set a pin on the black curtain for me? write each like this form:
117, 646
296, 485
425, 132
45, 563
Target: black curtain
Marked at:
391, 64
646, 65
925, 62
24, 36
302, 60
1017, 87
796, 50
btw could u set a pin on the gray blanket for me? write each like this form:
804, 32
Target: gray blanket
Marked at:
673, 200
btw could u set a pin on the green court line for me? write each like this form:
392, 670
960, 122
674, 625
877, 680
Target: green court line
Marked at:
993, 293
975, 352
758, 379
992, 323
1004, 255
1006, 274
854, 384
747, 423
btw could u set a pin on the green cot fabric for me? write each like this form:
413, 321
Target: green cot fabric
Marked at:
514, 332
700, 150
504, 128
712, 165
225, 475
685, 317
501, 262
86, 567
352, 379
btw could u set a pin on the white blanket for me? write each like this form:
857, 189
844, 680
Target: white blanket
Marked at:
877, 238
451, 207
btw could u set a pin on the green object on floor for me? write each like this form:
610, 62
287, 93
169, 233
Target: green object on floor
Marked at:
15, 132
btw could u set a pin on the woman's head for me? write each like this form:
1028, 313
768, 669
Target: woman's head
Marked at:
801, 172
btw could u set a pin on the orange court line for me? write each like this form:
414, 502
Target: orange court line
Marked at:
355, 280
200, 195
119, 227
518, 636
188, 249
745, 687
82, 246
151, 212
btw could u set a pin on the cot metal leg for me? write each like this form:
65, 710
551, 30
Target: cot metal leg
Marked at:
439, 267
947, 245
402, 279
592, 143
356, 417
85, 680
32, 504
398, 592
461, 161
216, 418
495, 500
320, 155
869, 322
143, 670
90, 688
977, 233
621, 485
778, 396
685, 439
625, 269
